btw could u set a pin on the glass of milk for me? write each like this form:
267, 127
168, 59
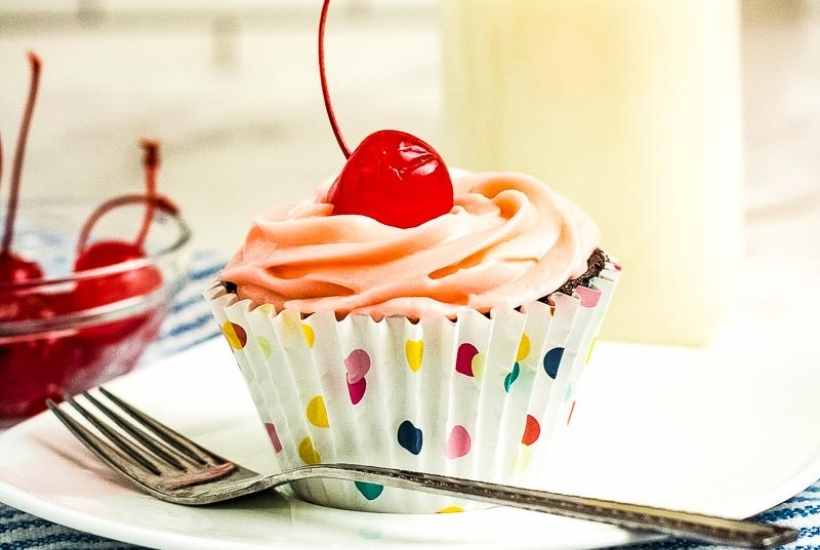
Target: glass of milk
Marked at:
631, 109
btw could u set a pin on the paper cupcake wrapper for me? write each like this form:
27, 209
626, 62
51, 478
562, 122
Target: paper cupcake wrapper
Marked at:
474, 397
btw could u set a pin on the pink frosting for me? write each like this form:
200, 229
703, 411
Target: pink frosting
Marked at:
508, 240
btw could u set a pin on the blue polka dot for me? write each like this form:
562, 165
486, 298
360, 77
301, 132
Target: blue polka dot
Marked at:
410, 437
552, 360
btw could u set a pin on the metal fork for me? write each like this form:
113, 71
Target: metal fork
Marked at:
169, 466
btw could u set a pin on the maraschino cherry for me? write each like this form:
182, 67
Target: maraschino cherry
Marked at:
47, 364
392, 176
97, 291
111, 252
14, 268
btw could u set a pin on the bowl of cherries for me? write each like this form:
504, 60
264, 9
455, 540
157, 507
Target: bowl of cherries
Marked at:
84, 288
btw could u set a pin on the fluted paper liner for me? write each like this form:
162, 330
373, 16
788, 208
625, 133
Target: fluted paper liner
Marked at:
475, 397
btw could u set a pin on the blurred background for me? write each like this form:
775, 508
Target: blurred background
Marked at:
688, 129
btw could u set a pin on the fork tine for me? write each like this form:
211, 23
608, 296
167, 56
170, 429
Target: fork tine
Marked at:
159, 449
122, 444
103, 450
169, 436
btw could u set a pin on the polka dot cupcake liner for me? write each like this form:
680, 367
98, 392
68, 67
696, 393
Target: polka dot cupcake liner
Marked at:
478, 397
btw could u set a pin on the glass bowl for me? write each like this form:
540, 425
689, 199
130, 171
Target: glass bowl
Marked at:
50, 344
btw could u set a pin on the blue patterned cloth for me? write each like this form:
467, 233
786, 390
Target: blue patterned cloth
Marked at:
189, 323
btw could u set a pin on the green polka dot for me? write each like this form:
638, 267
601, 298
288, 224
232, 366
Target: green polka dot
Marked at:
264, 345
370, 491
511, 377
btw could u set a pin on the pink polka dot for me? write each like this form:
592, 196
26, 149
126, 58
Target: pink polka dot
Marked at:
464, 359
458, 444
357, 365
357, 390
274, 437
589, 296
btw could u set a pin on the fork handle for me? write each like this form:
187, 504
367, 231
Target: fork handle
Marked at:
711, 529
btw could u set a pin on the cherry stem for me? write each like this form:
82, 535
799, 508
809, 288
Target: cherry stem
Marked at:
157, 201
150, 162
325, 93
19, 154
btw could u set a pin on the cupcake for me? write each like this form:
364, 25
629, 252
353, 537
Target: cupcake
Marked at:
403, 318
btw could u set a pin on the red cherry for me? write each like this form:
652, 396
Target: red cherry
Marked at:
392, 176
33, 367
13, 268
28, 307
99, 290
396, 178
107, 289
32, 371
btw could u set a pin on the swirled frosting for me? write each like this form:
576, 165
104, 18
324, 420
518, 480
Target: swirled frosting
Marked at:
508, 240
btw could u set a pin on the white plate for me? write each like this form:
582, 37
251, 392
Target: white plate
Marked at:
654, 425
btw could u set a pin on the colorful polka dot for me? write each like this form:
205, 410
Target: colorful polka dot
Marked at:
532, 430
357, 391
370, 534
317, 412
464, 359
511, 377
589, 296
410, 437
523, 348
273, 436
458, 444
522, 459
552, 360
291, 329
453, 509
235, 334
370, 491
477, 365
357, 365
308, 334
592, 345
308, 453
264, 346
414, 351
266, 308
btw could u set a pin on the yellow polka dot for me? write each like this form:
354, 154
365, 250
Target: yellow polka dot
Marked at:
267, 308
308, 453
310, 336
592, 345
292, 334
317, 412
478, 365
264, 346
414, 350
451, 510
235, 335
523, 459
523, 348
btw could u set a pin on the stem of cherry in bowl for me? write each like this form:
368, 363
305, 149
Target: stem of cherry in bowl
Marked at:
76, 310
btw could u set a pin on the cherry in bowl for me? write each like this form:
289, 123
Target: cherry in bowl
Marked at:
74, 327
